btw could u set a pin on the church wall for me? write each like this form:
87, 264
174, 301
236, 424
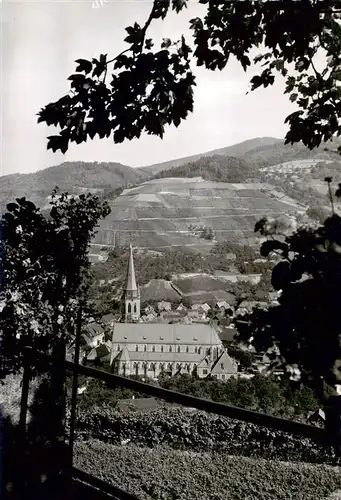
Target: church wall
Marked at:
182, 348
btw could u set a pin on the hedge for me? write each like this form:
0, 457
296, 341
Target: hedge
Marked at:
194, 430
163, 473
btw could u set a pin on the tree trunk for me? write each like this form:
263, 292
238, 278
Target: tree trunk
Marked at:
49, 452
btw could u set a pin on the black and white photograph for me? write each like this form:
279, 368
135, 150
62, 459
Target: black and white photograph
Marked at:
170, 250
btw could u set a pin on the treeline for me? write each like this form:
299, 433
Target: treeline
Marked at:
148, 267
215, 168
259, 393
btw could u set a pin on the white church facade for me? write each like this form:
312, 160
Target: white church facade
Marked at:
149, 349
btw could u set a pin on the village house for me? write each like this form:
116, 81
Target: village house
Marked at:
180, 308
150, 310
164, 306
92, 335
222, 304
227, 334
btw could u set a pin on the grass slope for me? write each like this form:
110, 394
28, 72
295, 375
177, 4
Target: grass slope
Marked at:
166, 474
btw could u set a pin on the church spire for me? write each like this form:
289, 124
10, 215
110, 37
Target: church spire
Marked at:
131, 280
131, 292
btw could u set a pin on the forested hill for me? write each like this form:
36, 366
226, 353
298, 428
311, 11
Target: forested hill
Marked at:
214, 168
73, 177
274, 154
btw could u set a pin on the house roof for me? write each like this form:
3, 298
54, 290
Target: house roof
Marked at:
92, 355
123, 355
205, 363
156, 333
223, 303
93, 330
227, 334
108, 318
224, 365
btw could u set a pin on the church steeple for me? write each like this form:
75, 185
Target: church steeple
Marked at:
131, 280
131, 292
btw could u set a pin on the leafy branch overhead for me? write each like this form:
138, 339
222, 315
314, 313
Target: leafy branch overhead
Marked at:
149, 89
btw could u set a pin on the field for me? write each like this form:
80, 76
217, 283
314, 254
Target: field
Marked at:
163, 473
157, 214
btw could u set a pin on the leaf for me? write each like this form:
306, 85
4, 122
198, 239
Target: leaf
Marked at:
293, 97
280, 275
272, 245
178, 5
149, 43
83, 66
58, 143
166, 42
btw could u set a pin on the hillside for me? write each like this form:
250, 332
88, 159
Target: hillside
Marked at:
273, 154
235, 150
74, 177
172, 212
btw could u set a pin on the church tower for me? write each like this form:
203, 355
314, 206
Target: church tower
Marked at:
132, 302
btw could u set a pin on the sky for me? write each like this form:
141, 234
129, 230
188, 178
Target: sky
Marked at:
42, 39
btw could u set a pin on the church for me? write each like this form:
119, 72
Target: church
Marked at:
147, 349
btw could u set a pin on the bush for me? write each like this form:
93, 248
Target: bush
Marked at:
198, 431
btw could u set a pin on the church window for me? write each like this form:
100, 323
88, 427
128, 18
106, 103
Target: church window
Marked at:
170, 348
129, 307
153, 348
222, 366
208, 351
187, 349
118, 347
195, 349
135, 308
162, 348
145, 348
204, 372
178, 348
199, 350
136, 348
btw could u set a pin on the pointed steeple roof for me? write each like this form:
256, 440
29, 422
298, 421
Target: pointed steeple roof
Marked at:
131, 280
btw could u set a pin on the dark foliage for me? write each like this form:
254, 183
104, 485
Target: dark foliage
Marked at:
45, 272
150, 89
306, 324
167, 474
198, 431
214, 168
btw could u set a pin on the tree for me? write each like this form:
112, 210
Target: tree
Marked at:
305, 326
45, 269
150, 89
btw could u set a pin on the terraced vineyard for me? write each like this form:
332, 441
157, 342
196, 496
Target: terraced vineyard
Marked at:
158, 214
